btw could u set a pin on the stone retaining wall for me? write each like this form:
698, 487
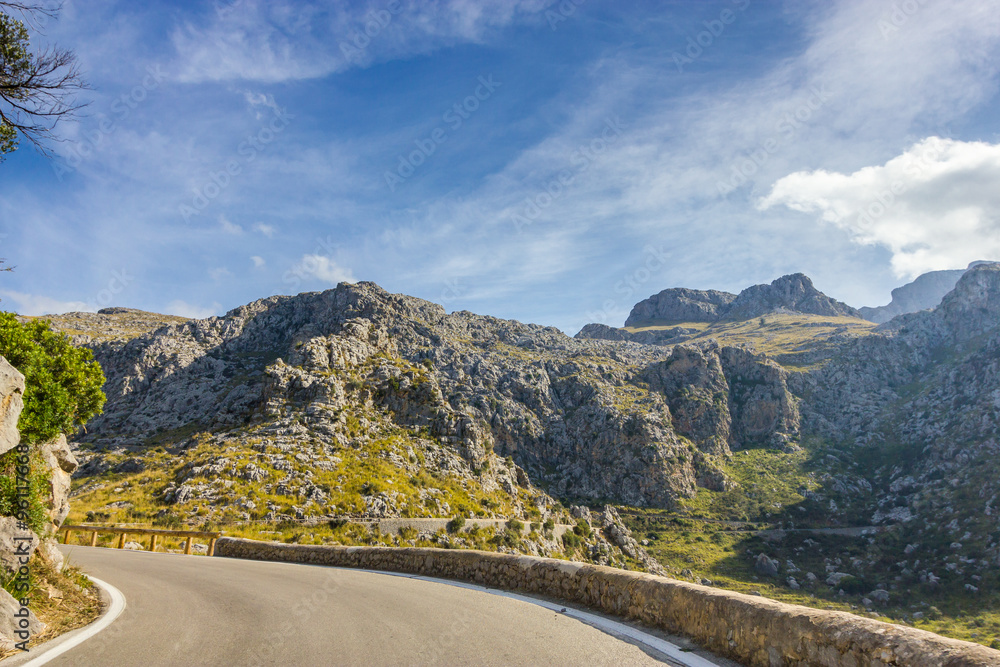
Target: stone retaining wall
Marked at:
752, 630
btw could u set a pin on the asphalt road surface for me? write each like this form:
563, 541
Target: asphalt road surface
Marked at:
189, 610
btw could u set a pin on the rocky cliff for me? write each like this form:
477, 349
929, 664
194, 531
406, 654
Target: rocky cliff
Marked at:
680, 304
920, 403
791, 293
17, 541
924, 293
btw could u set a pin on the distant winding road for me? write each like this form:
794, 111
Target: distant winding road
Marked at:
187, 610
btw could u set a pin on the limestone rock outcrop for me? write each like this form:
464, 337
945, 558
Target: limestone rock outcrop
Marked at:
11, 404
791, 293
62, 464
680, 304
924, 293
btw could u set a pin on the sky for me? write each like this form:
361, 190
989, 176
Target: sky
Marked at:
550, 162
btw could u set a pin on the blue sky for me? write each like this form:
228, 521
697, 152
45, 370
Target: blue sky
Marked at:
552, 162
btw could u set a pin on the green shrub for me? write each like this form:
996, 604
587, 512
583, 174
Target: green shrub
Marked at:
571, 540
515, 526
582, 528
549, 525
456, 524
62, 383
853, 585
36, 513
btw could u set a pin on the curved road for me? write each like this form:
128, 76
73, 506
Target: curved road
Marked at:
189, 610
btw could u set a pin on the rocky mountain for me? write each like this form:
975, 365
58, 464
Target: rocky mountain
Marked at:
791, 293
919, 402
583, 419
360, 404
924, 293
680, 304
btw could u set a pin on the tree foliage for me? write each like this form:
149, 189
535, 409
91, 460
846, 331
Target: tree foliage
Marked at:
35, 88
62, 383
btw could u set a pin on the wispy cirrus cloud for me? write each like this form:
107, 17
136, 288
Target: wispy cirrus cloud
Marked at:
283, 41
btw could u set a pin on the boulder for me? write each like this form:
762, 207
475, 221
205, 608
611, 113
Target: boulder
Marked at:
15, 542
62, 463
11, 404
9, 624
766, 566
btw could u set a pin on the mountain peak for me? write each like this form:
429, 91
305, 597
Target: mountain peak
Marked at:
794, 292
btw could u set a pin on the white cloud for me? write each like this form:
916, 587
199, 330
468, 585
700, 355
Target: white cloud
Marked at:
220, 273
258, 261
278, 41
38, 304
185, 309
936, 206
323, 268
229, 227
266, 230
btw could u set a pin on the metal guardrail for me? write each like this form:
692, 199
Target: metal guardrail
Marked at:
153, 533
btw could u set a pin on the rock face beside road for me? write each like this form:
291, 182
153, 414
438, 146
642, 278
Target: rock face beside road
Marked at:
11, 404
14, 541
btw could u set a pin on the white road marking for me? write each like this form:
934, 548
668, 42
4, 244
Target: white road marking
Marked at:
113, 611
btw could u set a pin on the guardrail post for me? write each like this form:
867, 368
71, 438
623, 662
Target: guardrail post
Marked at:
187, 546
66, 539
211, 547
152, 542
93, 538
121, 540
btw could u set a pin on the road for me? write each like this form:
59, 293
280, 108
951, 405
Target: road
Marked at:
189, 610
